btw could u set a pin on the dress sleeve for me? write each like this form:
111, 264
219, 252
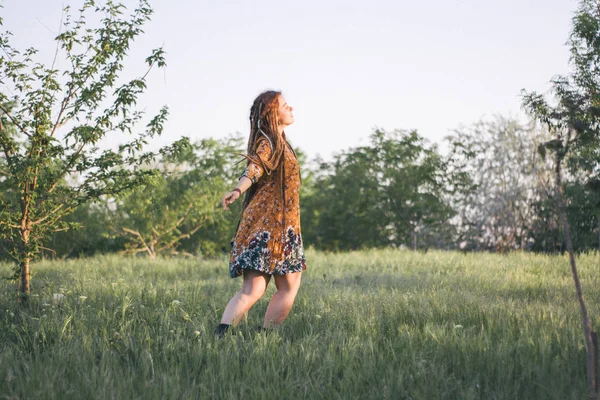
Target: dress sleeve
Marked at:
254, 171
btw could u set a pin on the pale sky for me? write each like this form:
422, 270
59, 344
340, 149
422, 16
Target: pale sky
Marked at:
345, 66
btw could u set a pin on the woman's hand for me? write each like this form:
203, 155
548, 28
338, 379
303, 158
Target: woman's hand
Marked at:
229, 198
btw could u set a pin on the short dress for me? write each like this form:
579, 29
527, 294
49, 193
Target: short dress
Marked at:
268, 238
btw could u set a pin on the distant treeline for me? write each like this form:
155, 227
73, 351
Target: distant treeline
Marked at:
489, 190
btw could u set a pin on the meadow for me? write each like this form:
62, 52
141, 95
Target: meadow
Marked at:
380, 324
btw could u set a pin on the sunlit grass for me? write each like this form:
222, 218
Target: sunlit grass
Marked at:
373, 324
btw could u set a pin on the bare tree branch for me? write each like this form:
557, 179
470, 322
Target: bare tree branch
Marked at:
39, 221
141, 239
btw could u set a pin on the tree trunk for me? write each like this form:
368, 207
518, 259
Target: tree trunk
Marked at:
598, 218
589, 334
25, 274
414, 238
151, 251
24, 288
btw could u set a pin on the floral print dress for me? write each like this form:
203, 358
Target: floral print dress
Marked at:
268, 238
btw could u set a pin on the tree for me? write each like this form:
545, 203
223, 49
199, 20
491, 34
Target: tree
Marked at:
89, 233
53, 120
158, 217
500, 156
574, 121
390, 192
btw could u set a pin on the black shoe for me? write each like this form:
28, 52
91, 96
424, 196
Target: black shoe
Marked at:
222, 329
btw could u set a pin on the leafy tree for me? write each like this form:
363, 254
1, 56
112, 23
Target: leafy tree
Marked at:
348, 203
53, 120
391, 192
501, 158
160, 216
89, 233
574, 121
581, 207
311, 196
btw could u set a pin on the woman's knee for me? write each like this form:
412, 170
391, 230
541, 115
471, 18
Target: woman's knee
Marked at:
254, 292
289, 283
254, 285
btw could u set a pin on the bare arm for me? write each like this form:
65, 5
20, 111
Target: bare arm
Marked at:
243, 185
251, 175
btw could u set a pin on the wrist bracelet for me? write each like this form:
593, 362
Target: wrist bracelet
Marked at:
237, 190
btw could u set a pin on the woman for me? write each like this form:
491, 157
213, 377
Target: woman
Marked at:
268, 242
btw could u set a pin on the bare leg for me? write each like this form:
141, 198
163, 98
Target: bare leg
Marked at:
282, 301
254, 286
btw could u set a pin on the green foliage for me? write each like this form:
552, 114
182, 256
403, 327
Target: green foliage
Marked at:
90, 234
158, 212
52, 121
574, 118
387, 193
583, 216
158, 217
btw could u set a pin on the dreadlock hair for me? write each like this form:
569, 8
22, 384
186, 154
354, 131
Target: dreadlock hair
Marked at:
264, 118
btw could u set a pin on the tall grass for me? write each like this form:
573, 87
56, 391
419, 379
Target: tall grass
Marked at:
382, 324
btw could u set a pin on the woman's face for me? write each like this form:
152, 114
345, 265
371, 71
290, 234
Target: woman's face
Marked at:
286, 116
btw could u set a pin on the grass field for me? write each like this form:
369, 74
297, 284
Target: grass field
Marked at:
381, 324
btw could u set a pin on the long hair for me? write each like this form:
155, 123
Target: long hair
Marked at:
264, 118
